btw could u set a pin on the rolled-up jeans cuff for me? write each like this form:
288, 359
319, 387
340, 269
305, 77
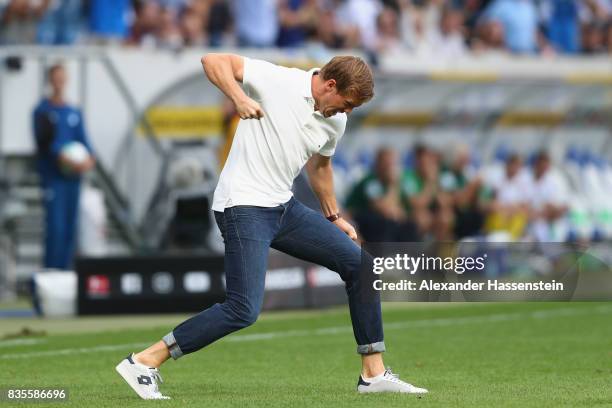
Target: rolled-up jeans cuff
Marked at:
173, 347
377, 347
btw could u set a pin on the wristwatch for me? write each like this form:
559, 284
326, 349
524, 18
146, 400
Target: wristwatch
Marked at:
334, 217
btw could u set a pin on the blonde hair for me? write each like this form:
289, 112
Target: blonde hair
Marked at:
353, 77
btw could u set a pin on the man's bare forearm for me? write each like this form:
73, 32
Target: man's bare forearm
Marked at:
321, 178
223, 72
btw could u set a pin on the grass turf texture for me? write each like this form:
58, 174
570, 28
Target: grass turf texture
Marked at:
472, 355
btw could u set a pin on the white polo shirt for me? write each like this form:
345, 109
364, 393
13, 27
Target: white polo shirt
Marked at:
268, 154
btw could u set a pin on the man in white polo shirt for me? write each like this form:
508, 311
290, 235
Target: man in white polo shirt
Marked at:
290, 119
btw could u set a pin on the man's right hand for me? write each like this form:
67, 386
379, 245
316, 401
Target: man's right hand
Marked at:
247, 108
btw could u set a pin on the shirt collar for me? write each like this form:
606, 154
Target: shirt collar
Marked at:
308, 83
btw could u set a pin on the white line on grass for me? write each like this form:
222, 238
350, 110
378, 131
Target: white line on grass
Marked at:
21, 342
435, 322
63, 352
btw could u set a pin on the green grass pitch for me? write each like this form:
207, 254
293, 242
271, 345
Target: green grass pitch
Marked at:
467, 355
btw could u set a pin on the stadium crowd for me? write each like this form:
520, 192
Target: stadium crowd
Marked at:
440, 196
437, 27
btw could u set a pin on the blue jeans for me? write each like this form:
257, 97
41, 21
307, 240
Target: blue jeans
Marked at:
294, 229
61, 221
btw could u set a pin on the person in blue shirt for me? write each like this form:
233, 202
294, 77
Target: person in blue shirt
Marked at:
256, 22
297, 18
563, 24
61, 23
108, 19
520, 21
56, 124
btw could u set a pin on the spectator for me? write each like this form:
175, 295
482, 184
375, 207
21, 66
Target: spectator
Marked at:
256, 22
362, 15
393, 5
388, 38
61, 24
509, 209
473, 10
467, 192
168, 33
146, 25
426, 27
561, 18
597, 18
595, 11
108, 19
220, 22
379, 204
192, 28
430, 205
297, 19
56, 125
18, 20
333, 34
175, 6
549, 202
417, 26
593, 38
489, 37
519, 19
449, 40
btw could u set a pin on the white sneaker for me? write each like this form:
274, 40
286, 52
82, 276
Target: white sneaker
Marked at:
144, 380
388, 382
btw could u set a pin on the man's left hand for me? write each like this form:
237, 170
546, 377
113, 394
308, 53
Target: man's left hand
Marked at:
347, 228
